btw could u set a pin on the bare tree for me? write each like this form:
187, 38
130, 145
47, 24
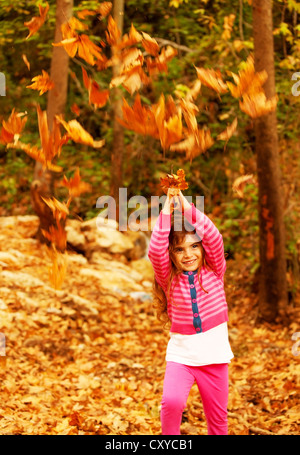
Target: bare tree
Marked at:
272, 282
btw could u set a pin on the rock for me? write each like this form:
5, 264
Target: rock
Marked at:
101, 234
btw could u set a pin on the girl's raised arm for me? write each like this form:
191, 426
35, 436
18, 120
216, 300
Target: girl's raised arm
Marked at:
212, 240
158, 252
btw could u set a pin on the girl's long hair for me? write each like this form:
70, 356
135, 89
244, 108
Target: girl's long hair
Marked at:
160, 297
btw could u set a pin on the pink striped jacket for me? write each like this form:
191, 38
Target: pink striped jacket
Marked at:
191, 309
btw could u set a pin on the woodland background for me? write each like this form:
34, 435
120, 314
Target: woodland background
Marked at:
70, 368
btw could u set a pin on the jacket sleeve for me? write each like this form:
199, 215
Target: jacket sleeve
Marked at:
212, 240
158, 251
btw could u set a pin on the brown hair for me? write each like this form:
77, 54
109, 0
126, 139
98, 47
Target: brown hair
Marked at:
176, 237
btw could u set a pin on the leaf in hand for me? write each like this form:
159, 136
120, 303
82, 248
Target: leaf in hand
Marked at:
174, 181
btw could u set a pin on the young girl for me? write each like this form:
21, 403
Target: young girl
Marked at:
189, 266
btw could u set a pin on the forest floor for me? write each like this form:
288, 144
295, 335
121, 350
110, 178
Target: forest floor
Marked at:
84, 360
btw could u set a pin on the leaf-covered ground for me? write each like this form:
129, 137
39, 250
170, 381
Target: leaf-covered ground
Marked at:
86, 360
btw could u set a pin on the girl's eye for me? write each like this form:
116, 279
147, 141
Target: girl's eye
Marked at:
178, 250
196, 245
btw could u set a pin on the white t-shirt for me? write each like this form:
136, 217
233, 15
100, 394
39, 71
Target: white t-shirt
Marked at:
203, 348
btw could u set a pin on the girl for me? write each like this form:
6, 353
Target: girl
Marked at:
189, 266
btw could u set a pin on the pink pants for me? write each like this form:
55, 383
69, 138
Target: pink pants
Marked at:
212, 382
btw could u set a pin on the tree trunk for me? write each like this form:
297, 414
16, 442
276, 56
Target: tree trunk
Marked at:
43, 182
118, 131
272, 284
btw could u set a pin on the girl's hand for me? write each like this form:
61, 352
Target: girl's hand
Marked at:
172, 202
183, 201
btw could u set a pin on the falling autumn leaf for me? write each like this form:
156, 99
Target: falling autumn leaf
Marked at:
59, 209
112, 32
247, 81
97, 97
139, 118
168, 120
51, 141
212, 79
239, 184
59, 259
150, 44
159, 64
195, 144
77, 133
256, 104
75, 108
132, 38
25, 59
75, 43
75, 185
226, 134
12, 128
43, 83
36, 22
38, 155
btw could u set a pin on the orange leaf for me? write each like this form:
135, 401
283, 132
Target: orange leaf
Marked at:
104, 8
36, 22
57, 272
256, 104
75, 108
37, 154
176, 181
73, 42
59, 209
42, 83
247, 81
168, 120
226, 134
77, 133
75, 185
239, 184
51, 141
212, 79
139, 118
159, 64
26, 61
113, 33
12, 128
132, 38
97, 97
194, 144
150, 44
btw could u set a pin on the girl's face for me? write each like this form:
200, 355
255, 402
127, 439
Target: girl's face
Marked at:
187, 255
